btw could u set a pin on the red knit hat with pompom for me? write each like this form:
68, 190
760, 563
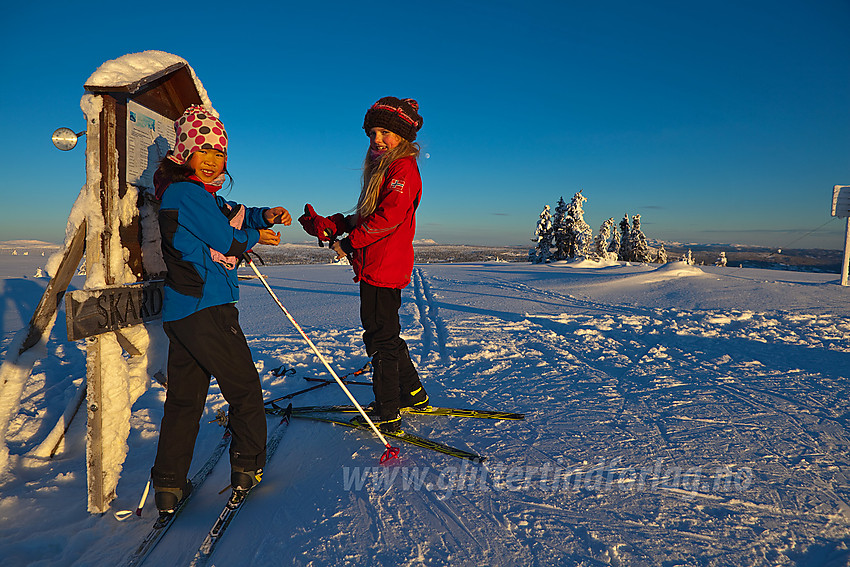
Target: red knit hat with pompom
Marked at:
399, 116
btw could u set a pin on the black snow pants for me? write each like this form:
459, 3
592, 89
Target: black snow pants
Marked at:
394, 377
204, 344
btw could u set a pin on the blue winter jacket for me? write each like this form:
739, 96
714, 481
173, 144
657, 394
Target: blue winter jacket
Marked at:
191, 221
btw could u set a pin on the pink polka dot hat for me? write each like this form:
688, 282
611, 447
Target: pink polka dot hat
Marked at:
197, 129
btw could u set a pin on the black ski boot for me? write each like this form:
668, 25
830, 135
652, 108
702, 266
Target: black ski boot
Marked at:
413, 394
168, 499
390, 424
417, 399
242, 481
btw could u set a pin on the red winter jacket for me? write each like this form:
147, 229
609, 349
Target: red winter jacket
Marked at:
380, 246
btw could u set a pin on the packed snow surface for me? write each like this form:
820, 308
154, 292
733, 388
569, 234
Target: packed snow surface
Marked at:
674, 416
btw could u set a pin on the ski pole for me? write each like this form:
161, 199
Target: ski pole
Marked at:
144, 497
304, 391
366, 368
348, 382
324, 383
122, 515
391, 452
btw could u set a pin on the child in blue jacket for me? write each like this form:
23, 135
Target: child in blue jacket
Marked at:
203, 238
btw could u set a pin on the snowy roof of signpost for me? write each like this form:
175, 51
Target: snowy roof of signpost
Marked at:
131, 72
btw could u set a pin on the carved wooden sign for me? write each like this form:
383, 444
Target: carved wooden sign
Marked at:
92, 312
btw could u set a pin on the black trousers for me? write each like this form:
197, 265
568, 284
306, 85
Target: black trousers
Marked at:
394, 376
204, 344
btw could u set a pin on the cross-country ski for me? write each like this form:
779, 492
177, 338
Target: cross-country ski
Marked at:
237, 498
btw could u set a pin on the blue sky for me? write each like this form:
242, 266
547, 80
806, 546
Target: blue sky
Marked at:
722, 121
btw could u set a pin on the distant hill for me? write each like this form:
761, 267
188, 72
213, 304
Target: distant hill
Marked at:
27, 245
423, 253
810, 260
738, 255
427, 251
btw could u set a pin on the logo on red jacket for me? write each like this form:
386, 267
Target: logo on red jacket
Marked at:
397, 185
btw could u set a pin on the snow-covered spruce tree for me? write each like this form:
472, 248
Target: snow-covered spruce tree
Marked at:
601, 246
688, 258
721, 261
561, 225
661, 255
640, 249
580, 235
624, 254
614, 245
543, 236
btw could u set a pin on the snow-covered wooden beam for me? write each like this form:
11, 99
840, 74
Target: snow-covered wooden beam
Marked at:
122, 228
841, 208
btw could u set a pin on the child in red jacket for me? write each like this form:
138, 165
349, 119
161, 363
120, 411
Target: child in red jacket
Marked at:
380, 247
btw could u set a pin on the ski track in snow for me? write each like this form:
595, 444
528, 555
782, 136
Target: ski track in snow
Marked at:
677, 436
433, 329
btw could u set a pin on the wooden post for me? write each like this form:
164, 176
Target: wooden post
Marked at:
39, 324
841, 208
99, 255
845, 266
98, 501
56, 289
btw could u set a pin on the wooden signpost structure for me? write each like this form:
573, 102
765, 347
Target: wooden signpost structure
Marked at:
126, 160
129, 126
841, 208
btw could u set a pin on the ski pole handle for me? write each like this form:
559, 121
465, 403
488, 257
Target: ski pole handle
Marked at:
144, 497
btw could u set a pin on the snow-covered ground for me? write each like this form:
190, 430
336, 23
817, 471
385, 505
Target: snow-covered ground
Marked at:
674, 416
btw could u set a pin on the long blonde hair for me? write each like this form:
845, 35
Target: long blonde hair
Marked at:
374, 171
